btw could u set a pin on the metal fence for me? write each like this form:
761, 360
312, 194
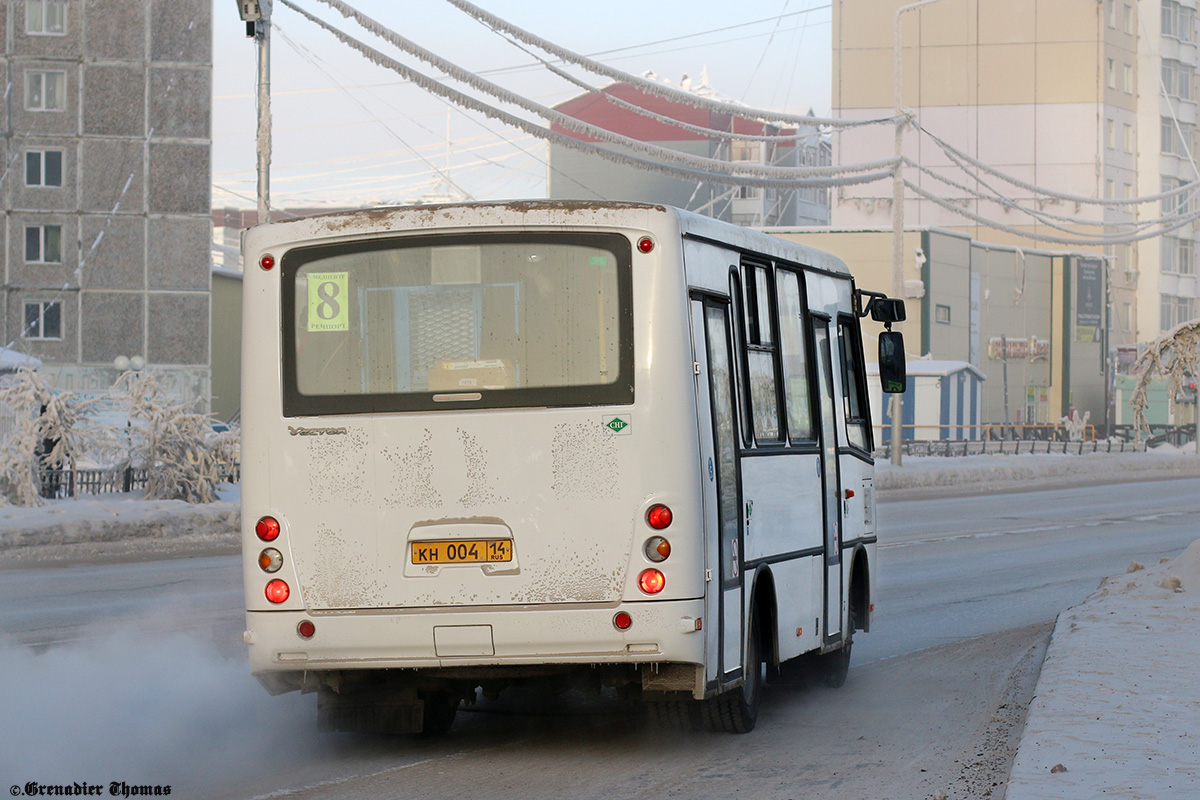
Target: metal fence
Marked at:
950, 447
60, 483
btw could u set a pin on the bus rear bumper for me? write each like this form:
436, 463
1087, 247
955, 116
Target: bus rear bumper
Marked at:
669, 631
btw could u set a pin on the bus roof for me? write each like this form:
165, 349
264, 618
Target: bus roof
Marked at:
542, 212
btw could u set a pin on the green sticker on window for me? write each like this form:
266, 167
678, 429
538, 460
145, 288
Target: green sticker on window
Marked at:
327, 293
597, 261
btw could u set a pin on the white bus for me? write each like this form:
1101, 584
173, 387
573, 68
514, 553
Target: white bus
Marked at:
574, 445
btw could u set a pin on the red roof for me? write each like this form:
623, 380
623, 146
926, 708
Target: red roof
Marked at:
593, 108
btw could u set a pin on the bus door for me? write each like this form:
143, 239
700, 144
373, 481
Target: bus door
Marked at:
718, 469
831, 488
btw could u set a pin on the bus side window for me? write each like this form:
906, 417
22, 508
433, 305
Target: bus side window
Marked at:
858, 432
793, 351
760, 355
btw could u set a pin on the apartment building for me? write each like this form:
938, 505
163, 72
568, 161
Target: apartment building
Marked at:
107, 188
1091, 100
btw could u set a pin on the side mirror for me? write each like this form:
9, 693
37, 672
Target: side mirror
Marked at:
893, 376
887, 309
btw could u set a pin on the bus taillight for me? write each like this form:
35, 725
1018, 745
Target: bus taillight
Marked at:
658, 517
657, 549
645, 244
267, 529
651, 581
270, 560
306, 629
277, 591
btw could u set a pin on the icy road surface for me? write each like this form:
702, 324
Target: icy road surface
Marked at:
136, 672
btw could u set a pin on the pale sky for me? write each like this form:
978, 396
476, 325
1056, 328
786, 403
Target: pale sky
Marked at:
345, 130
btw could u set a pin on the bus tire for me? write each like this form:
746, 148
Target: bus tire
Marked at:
736, 711
834, 667
440, 710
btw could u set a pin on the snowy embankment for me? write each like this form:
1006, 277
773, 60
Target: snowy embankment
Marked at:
1119, 694
119, 524
986, 472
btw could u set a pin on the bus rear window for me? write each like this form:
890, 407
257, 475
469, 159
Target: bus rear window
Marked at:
477, 321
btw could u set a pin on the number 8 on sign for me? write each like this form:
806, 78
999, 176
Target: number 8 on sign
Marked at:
327, 292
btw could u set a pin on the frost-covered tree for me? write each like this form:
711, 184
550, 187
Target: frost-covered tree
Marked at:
185, 457
1175, 354
45, 428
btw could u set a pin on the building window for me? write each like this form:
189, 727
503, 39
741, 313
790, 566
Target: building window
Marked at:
1177, 78
1129, 19
1112, 13
45, 90
1127, 73
43, 320
1110, 188
43, 167
1111, 72
1186, 263
942, 314
46, 17
1128, 138
1173, 139
1178, 21
43, 244
1110, 134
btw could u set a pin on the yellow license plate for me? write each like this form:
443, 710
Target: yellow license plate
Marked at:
462, 551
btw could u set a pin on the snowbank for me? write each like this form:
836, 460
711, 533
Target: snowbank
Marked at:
975, 471
121, 523
1116, 706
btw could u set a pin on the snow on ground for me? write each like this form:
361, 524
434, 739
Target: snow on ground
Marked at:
1117, 702
926, 472
110, 525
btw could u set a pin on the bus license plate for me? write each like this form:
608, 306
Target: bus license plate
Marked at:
462, 551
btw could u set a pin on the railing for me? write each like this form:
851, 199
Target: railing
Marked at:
60, 483
994, 432
967, 447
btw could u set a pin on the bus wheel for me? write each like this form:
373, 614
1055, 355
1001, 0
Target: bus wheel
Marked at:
833, 668
440, 709
736, 711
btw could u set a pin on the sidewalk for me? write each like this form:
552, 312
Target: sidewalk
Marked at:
1118, 701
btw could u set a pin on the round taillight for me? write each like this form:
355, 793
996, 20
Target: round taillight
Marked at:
267, 262
645, 244
622, 621
657, 549
306, 629
267, 529
270, 560
277, 591
658, 517
652, 581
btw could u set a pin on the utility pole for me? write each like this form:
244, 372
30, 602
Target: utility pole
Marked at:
257, 16
897, 400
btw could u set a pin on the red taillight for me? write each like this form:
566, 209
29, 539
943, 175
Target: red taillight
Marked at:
645, 244
306, 629
267, 529
622, 621
658, 517
652, 581
277, 591
267, 262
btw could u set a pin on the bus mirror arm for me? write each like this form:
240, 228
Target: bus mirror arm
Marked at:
881, 307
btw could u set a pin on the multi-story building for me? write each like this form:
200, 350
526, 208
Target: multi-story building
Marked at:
576, 175
107, 188
1090, 100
